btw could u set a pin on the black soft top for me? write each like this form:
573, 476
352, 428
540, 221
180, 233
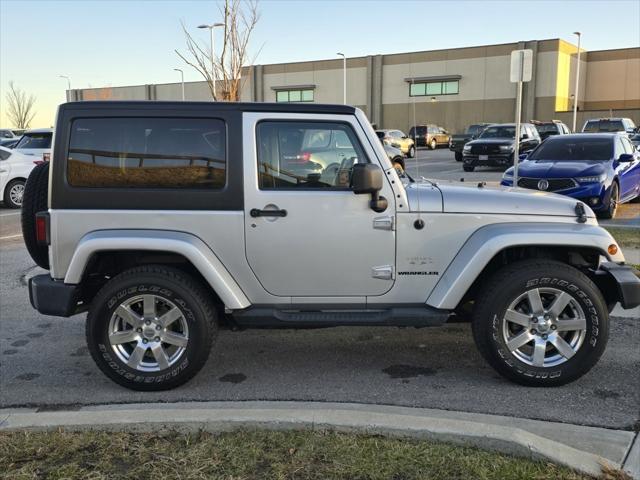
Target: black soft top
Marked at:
224, 106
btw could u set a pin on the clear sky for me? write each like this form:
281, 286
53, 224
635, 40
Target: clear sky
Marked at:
111, 43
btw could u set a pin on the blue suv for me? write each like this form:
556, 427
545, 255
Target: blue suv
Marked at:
600, 169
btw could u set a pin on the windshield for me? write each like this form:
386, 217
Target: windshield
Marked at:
604, 126
475, 129
547, 127
574, 149
35, 140
380, 134
500, 131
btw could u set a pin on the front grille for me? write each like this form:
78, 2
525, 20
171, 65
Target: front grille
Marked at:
554, 184
485, 149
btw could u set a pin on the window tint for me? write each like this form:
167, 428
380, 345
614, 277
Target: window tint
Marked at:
306, 155
147, 153
574, 149
35, 140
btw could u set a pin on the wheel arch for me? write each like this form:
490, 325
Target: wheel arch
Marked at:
494, 246
107, 252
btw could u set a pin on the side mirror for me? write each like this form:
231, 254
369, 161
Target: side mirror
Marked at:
523, 156
625, 158
367, 178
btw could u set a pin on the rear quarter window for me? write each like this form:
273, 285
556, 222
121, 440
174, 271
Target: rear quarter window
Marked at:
35, 140
147, 153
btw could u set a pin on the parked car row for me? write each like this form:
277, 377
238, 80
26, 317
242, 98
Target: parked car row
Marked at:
18, 156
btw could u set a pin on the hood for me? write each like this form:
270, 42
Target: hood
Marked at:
492, 141
457, 198
559, 169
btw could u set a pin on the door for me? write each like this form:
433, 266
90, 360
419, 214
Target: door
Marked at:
307, 234
5, 169
628, 173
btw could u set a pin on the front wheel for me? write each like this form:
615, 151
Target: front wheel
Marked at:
151, 328
412, 152
612, 207
468, 168
540, 323
458, 156
433, 145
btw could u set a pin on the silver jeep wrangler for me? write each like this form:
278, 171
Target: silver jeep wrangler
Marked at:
166, 220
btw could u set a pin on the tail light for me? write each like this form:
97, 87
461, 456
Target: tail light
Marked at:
46, 157
42, 228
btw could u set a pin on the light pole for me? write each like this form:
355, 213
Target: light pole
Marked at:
213, 55
575, 103
182, 80
344, 77
68, 81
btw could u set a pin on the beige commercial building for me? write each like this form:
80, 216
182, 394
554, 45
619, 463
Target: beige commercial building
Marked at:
451, 88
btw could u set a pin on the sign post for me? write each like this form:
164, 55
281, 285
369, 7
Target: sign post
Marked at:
521, 71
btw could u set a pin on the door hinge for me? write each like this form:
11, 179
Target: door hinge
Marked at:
384, 272
384, 223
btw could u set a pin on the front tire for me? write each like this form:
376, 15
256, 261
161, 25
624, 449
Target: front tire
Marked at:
540, 323
458, 156
412, 152
151, 328
614, 199
433, 145
468, 168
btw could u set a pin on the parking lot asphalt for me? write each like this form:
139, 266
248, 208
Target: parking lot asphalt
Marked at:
44, 362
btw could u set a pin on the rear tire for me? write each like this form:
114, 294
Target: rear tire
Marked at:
519, 332
132, 344
14, 193
468, 168
34, 200
458, 156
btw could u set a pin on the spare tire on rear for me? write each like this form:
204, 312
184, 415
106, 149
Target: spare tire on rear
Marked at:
35, 197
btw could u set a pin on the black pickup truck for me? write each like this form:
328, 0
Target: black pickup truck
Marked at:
459, 140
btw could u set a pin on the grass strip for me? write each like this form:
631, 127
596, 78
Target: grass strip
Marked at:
626, 237
255, 454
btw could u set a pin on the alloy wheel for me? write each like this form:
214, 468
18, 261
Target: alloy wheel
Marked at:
148, 333
16, 193
544, 327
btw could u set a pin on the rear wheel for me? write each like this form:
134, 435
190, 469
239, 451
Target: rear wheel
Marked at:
541, 323
458, 156
14, 193
151, 328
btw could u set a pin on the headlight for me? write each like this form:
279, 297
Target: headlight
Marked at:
466, 148
592, 179
506, 148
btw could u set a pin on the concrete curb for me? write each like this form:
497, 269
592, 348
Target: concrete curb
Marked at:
584, 449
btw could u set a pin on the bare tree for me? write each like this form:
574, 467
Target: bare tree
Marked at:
19, 107
240, 19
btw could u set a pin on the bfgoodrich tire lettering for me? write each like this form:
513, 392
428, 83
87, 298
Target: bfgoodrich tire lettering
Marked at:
175, 295
549, 280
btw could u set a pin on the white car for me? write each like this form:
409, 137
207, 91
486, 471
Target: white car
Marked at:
36, 143
14, 170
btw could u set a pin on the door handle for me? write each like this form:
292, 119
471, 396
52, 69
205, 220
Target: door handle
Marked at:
255, 212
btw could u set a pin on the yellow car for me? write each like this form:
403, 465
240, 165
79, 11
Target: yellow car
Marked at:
398, 139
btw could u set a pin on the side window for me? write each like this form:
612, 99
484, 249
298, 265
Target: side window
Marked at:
619, 147
303, 155
4, 154
626, 144
147, 153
